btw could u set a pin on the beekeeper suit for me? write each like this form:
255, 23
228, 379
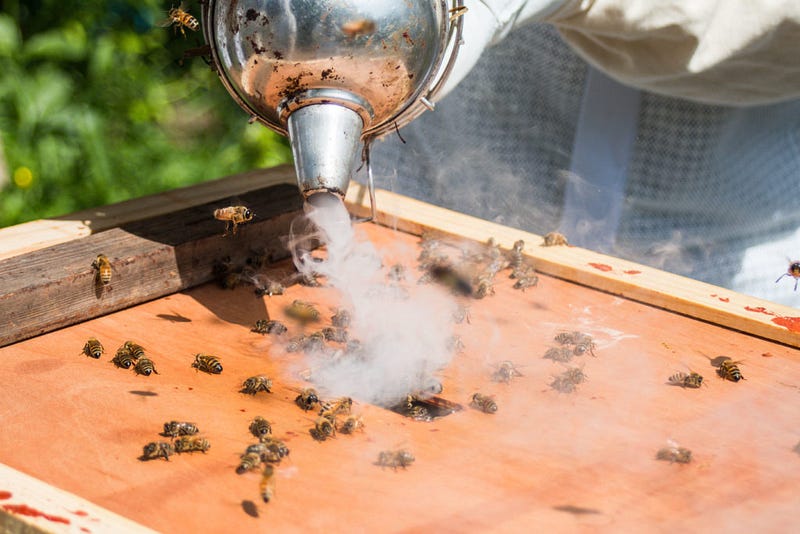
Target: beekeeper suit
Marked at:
663, 132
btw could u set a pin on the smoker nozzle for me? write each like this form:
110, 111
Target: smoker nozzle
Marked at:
325, 141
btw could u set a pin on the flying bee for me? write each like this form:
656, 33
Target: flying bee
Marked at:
267, 484
351, 423
233, 215
793, 271
181, 19
354, 28
191, 444
394, 459
341, 318
248, 462
559, 354
264, 326
456, 12
686, 380
103, 267
323, 429
123, 358
445, 274
505, 372
179, 428
260, 427
554, 239
158, 449
136, 350
484, 403
307, 399
335, 333
207, 363
302, 311
729, 370
674, 454
93, 348
144, 366
340, 406
254, 384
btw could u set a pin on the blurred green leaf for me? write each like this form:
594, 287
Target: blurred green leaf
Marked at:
9, 36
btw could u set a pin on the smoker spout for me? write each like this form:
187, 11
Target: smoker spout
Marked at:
325, 140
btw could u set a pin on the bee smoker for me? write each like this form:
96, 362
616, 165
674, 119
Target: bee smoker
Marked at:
333, 75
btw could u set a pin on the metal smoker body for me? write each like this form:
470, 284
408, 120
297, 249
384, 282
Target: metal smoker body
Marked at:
332, 74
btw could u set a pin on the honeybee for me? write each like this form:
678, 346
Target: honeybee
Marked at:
93, 348
351, 423
553, 239
307, 399
674, 454
691, 380
137, 351
233, 215
483, 286
103, 267
254, 384
483, 403
461, 314
559, 354
456, 12
267, 485
123, 358
313, 342
248, 462
505, 372
323, 429
158, 449
269, 287
180, 19
207, 363
515, 258
260, 427
583, 342
273, 446
527, 280
354, 28
304, 312
144, 366
394, 459
179, 428
341, 318
191, 444
729, 370
335, 333
793, 271
397, 273
567, 338
567, 381
341, 406
264, 326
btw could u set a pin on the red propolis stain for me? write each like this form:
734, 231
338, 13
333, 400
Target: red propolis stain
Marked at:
759, 309
84, 529
24, 509
791, 323
80, 513
601, 267
766, 355
632, 272
4, 495
724, 299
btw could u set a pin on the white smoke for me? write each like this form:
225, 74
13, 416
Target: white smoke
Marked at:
404, 329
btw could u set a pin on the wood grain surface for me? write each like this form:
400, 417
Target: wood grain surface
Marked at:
546, 460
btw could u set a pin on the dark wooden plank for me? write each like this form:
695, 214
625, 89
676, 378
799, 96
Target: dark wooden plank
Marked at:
54, 287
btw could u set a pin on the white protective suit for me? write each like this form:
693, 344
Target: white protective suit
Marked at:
663, 132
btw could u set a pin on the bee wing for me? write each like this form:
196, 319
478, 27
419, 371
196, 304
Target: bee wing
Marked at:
169, 21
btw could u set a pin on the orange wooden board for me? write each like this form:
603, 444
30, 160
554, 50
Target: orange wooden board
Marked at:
545, 459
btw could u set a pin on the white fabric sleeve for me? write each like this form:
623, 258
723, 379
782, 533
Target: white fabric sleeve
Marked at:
488, 21
732, 52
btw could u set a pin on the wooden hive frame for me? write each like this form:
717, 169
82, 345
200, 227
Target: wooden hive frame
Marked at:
168, 245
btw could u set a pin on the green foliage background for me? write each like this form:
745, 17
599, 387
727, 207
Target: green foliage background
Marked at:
97, 106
